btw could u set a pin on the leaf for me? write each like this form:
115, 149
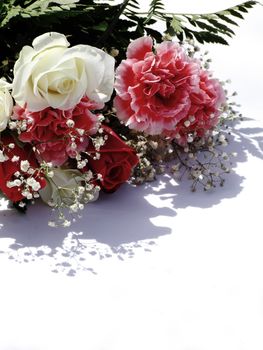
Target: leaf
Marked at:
215, 26
221, 26
209, 38
242, 9
176, 24
236, 14
206, 26
102, 26
155, 5
226, 19
27, 9
154, 33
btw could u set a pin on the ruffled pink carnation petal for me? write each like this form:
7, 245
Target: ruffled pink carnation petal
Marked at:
139, 48
204, 112
153, 90
166, 92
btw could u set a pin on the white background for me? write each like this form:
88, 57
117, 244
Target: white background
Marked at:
153, 267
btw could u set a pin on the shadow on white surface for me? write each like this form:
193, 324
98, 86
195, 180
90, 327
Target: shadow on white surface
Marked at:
118, 225
113, 226
249, 140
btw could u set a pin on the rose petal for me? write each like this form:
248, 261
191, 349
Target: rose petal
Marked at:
52, 75
48, 40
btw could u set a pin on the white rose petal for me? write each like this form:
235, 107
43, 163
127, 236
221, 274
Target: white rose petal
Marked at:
50, 74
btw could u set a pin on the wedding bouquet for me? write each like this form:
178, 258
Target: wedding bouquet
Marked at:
118, 105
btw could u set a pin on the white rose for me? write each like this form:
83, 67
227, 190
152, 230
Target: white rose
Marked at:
50, 74
62, 186
6, 104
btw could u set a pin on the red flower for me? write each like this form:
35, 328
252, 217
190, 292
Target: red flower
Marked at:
115, 163
10, 168
51, 130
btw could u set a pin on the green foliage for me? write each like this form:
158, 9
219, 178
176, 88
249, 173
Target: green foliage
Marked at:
211, 28
27, 9
156, 9
103, 24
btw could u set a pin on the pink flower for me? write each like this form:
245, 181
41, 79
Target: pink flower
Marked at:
51, 131
153, 89
204, 112
166, 92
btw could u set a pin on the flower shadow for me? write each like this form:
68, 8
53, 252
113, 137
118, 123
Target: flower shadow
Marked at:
245, 142
108, 228
119, 225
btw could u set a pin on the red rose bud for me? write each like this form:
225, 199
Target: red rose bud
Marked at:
116, 161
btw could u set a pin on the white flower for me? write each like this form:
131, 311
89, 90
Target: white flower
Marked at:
62, 188
50, 74
24, 165
6, 104
3, 157
15, 159
35, 185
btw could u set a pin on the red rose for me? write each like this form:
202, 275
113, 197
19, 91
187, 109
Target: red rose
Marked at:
116, 161
10, 166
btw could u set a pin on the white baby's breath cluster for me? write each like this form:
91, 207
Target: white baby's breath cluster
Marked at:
67, 191
205, 163
26, 178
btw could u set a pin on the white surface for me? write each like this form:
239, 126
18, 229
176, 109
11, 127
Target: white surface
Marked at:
154, 267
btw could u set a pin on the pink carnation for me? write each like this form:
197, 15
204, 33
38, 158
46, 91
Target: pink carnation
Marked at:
160, 92
204, 112
51, 132
153, 89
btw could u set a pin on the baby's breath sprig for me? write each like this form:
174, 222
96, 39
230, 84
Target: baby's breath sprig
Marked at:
26, 179
204, 162
69, 202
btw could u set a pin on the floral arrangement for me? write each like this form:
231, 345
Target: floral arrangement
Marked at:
78, 119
